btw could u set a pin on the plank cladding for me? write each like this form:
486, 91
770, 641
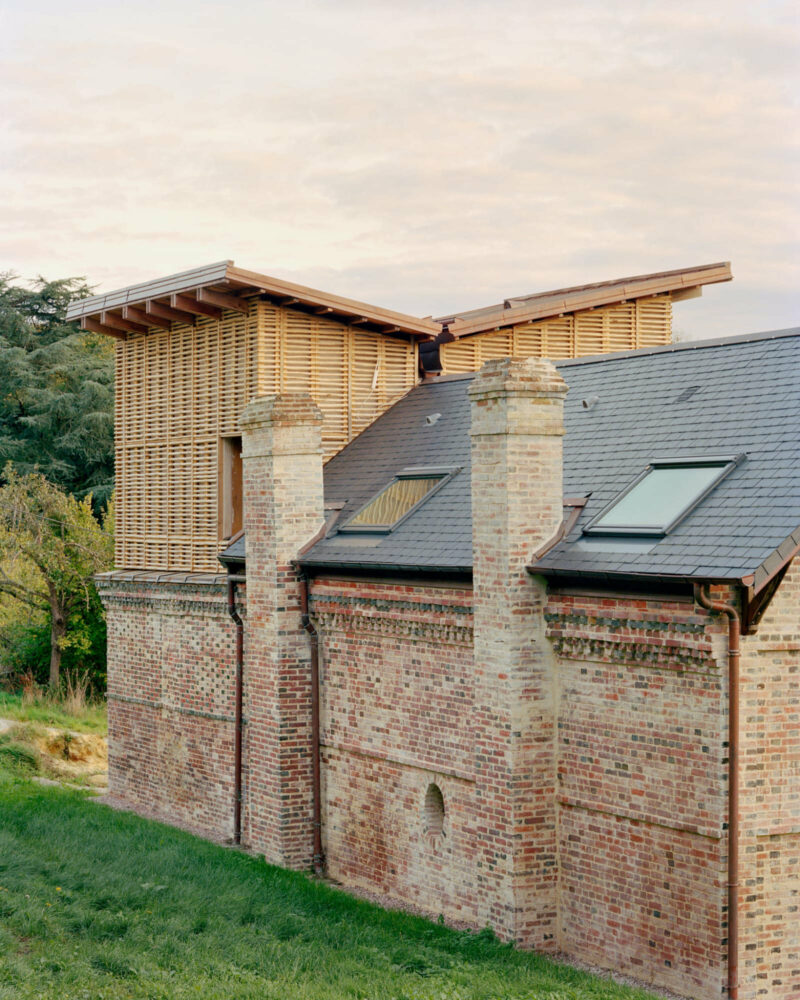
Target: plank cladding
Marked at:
179, 392
641, 323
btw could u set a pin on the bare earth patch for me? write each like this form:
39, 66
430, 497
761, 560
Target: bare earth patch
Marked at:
66, 755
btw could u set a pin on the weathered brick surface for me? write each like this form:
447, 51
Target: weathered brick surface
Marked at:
769, 956
643, 899
170, 701
283, 509
642, 787
516, 433
579, 742
397, 717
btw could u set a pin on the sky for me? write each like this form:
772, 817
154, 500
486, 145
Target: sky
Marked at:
422, 156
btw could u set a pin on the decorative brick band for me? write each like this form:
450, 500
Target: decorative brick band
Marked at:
660, 644
403, 760
161, 705
398, 628
383, 616
167, 598
637, 817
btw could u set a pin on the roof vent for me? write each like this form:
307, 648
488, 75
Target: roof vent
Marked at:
431, 419
687, 393
590, 402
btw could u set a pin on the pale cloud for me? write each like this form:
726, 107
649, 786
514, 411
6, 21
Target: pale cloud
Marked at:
426, 156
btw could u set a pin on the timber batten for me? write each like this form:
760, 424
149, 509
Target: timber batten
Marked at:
181, 391
626, 326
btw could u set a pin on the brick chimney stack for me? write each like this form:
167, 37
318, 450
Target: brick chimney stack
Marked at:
283, 509
517, 425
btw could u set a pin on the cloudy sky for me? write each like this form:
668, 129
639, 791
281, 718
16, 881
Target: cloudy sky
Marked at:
426, 156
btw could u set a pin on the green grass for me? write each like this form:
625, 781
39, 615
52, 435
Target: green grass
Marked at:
93, 719
99, 904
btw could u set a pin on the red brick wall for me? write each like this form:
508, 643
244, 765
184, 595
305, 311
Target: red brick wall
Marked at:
640, 690
769, 956
516, 431
397, 717
642, 777
170, 701
283, 509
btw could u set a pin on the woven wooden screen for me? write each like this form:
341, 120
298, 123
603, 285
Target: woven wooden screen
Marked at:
179, 393
643, 323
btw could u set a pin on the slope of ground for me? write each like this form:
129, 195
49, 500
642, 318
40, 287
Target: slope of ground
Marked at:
97, 903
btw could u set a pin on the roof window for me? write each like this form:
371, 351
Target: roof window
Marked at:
399, 499
661, 496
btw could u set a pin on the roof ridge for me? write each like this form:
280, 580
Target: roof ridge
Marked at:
687, 345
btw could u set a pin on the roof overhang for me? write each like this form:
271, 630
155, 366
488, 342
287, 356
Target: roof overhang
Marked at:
208, 291
682, 283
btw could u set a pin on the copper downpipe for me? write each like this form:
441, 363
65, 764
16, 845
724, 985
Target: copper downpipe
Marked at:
308, 625
734, 631
237, 722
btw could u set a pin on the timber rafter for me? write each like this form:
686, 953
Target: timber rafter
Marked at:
211, 290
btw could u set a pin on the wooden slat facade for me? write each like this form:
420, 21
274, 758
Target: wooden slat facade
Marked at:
641, 323
180, 392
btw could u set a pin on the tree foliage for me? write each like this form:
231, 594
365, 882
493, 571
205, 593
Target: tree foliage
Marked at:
56, 389
59, 535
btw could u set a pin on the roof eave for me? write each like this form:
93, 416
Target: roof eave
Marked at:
554, 304
610, 576
227, 284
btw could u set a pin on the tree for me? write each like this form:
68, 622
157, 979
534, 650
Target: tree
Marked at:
56, 389
59, 535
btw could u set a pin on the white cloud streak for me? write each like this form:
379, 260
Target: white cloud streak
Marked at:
424, 156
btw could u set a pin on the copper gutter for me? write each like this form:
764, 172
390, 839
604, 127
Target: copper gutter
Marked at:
316, 784
238, 698
734, 629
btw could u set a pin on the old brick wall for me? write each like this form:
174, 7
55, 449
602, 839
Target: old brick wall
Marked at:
769, 955
642, 780
283, 509
516, 433
397, 709
170, 700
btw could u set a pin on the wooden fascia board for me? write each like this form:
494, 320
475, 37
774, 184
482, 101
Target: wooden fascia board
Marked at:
350, 308
119, 323
144, 318
159, 288
223, 300
200, 288
95, 326
164, 312
593, 298
188, 303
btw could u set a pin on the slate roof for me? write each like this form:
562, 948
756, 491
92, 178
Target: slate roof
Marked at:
747, 400
438, 536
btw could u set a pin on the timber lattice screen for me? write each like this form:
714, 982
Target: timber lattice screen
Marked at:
643, 323
179, 392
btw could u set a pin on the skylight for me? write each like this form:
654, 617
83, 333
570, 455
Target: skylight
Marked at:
398, 499
661, 496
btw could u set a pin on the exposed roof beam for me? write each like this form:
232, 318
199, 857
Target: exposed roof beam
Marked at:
687, 293
190, 304
111, 319
222, 299
202, 286
161, 311
140, 316
87, 323
529, 308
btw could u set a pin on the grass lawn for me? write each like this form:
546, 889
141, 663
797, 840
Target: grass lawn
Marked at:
101, 904
92, 719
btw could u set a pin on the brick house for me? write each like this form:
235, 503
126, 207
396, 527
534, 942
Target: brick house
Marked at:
483, 659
